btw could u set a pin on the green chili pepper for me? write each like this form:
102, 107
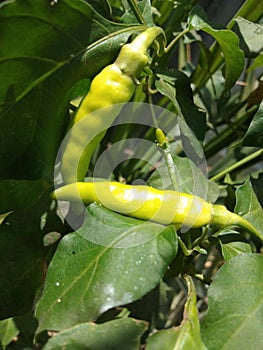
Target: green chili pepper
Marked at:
144, 202
115, 84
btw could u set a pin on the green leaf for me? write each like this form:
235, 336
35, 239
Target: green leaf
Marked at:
111, 335
258, 63
85, 278
8, 331
170, 15
232, 249
26, 326
248, 206
252, 11
231, 244
36, 77
187, 335
21, 260
254, 134
250, 35
235, 306
229, 44
186, 173
176, 86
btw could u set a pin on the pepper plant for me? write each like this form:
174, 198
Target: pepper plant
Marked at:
77, 276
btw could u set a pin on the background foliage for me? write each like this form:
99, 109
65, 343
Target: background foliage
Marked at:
176, 290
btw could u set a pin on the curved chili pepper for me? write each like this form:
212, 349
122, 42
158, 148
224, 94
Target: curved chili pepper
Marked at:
115, 84
148, 203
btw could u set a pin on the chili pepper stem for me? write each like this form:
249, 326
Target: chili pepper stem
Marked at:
145, 39
133, 56
223, 217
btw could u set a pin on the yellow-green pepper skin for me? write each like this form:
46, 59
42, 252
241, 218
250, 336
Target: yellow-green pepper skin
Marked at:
115, 84
108, 88
142, 202
147, 203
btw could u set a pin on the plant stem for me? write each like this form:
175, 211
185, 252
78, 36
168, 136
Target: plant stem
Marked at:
237, 165
186, 251
153, 115
137, 12
166, 152
174, 41
201, 238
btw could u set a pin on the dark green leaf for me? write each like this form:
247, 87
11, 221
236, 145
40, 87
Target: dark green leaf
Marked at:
18, 195
171, 15
103, 7
228, 41
26, 326
257, 184
70, 42
254, 135
235, 306
176, 85
113, 335
21, 260
85, 279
